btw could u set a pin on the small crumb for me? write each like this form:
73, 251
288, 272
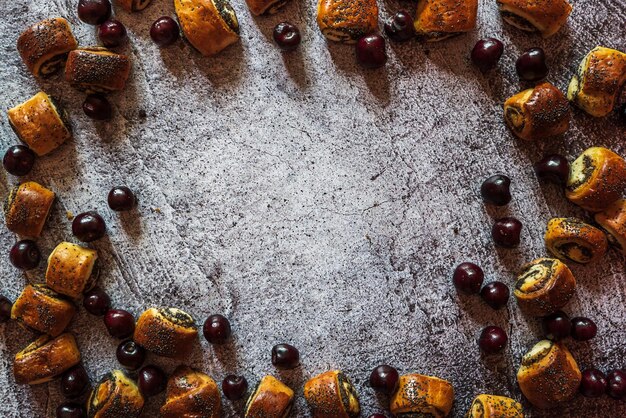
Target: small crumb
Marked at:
69, 215
157, 210
142, 113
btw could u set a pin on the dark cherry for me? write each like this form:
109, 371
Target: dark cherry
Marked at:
94, 11
622, 113
121, 199
492, 339
468, 277
556, 326
25, 255
506, 232
377, 416
130, 355
18, 160
496, 190
74, 382
164, 31
97, 107
112, 33
495, 294
216, 329
553, 168
285, 356
400, 27
5, 309
583, 329
370, 51
486, 53
234, 387
616, 384
96, 301
88, 226
119, 323
384, 379
286, 36
593, 383
531, 65
71, 410
151, 380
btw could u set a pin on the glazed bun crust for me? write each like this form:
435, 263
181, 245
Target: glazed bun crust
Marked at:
208, 25
44, 46
191, 394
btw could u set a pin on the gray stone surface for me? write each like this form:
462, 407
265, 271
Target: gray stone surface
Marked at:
313, 202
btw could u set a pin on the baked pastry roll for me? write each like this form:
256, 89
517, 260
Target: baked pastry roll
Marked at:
41, 309
597, 178
115, 396
613, 221
545, 17
45, 358
167, 332
544, 286
260, 7
537, 113
270, 399
40, 123
331, 394
69, 269
436, 20
347, 20
97, 70
572, 239
44, 46
420, 395
26, 208
598, 81
548, 375
133, 5
208, 25
492, 406
191, 394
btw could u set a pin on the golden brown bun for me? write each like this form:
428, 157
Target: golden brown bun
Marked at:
597, 178
545, 16
40, 123
436, 20
613, 221
44, 46
347, 20
422, 395
548, 375
26, 208
41, 309
492, 406
167, 332
97, 70
544, 286
133, 5
600, 77
537, 113
331, 395
259, 7
45, 358
572, 239
69, 269
191, 394
270, 399
208, 25
115, 396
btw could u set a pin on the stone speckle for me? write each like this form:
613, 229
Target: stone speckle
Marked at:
312, 202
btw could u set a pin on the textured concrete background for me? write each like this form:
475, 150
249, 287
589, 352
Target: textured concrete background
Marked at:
313, 202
